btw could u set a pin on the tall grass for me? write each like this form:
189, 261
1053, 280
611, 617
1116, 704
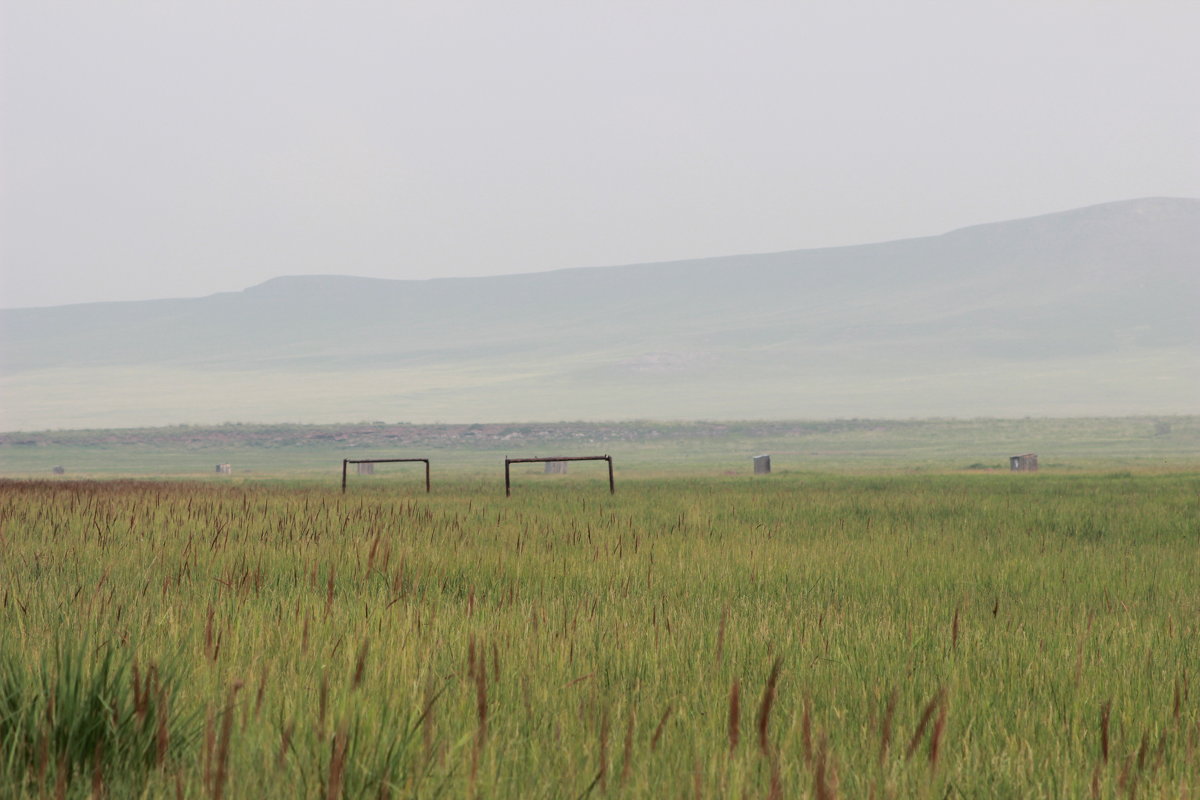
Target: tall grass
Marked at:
88, 715
799, 636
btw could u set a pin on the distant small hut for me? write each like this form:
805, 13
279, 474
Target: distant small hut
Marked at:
365, 468
58, 470
224, 469
556, 468
1026, 462
762, 465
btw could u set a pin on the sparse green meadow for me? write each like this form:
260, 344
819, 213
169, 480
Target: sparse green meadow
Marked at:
798, 635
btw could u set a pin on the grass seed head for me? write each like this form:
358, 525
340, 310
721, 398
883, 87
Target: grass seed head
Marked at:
926, 716
764, 708
1105, 711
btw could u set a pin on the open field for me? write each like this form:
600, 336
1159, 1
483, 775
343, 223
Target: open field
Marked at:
639, 448
800, 635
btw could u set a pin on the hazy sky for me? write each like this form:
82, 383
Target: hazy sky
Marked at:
165, 149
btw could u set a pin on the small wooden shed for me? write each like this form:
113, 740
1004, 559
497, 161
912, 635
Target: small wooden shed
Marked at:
365, 468
224, 469
762, 465
556, 468
1026, 462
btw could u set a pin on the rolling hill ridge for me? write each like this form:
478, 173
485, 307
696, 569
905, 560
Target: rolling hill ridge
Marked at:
1086, 311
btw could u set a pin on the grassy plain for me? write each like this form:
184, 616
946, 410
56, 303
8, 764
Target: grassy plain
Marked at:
816, 634
639, 448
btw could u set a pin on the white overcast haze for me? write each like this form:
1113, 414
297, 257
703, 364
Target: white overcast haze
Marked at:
175, 149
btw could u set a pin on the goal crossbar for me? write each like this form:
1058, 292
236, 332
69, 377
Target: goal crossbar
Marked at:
612, 489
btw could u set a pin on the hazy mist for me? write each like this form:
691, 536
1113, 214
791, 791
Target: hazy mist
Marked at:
1088, 312
155, 150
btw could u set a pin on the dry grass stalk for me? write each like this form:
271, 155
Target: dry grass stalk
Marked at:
926, 716
374, 549
885, 736
208, 750
481, 733
764, 708
806, 743
162, 735
721, 633
209, 650
935, 738
43, 759
322, 705
329, 590
285, 744
735, 715
580, 679
1126, 782
954, 631
1078, 674
139, 698
658, 732
481, 700
360, 665
824, 776
337, 765
627, 754
222, 773
603, 772
775, 792
60, 779
481, 711
262, 691
427, 719
1105, 711
98, 770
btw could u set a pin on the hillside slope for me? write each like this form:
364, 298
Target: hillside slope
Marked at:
1085, 311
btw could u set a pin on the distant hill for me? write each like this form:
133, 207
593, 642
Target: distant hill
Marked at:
1091, 311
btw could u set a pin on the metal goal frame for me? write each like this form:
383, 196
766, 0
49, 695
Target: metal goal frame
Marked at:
612, 489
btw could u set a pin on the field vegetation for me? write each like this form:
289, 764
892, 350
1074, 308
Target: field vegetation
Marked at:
799, 635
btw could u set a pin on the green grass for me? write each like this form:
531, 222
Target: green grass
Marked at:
87, 716
390, 643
